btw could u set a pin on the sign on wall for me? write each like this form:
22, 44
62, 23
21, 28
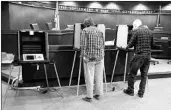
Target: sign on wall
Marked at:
91, 10
110, 11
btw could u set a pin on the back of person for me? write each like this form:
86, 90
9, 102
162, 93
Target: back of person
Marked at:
143, 44
95, 43
92, 52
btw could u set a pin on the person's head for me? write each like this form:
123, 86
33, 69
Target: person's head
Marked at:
136, 23
88, 22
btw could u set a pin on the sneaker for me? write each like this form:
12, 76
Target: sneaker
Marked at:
87, 99
128, 92
140, 94
97, 97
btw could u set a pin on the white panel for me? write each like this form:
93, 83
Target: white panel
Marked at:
122, 36
77, 34
102, 28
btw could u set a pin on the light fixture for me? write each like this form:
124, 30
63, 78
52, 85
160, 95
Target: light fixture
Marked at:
69, 3
112, 6
140, 7
167, 7
95, 5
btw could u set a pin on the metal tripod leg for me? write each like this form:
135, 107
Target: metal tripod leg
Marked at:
11, 66
114, 66
46, 76
19, 75
126, 59
79, 76
104, 73
56, 74
72, 68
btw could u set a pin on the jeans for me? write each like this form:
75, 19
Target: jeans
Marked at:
142, 63
93, 71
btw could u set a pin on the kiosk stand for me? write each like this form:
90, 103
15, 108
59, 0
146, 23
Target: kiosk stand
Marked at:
126, 59
77, 31
73, 64
121, 41
33, 50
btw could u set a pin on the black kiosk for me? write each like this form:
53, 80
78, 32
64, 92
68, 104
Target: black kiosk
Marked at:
33, 53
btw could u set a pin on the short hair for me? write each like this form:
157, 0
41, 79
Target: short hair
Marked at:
137, 22
88, 22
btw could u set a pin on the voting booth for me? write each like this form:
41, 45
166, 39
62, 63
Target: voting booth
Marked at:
32, 46
32, 50
78, 27
33, 56
123, 35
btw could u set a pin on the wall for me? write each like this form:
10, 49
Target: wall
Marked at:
21, 16
5, 15
109, 20
17, 17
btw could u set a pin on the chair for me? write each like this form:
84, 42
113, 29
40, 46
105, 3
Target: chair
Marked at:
156, 51
49, 25
34, 26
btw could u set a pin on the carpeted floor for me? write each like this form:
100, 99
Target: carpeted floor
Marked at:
157, 97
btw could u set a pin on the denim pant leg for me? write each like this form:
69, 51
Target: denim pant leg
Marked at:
134, 66
144, 70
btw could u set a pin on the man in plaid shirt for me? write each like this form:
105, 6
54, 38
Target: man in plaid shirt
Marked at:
92, 52
142, 41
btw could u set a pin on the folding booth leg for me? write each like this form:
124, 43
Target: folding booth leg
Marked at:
104, 73
57, 74
114, 66
75, 54
19, 75
79, 76
46, 75
126, 59
11, 66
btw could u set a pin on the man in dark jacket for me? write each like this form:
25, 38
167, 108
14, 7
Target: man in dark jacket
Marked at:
142, 41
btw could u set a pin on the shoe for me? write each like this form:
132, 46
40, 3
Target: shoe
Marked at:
140, 94
87, 99
128, 92
97, 97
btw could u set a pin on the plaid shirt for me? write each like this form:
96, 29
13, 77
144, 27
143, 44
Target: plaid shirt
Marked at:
142, 40
92, 43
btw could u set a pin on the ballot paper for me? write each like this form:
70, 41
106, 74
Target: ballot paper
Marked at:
122, 36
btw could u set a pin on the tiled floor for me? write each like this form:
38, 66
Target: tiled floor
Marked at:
157, 96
